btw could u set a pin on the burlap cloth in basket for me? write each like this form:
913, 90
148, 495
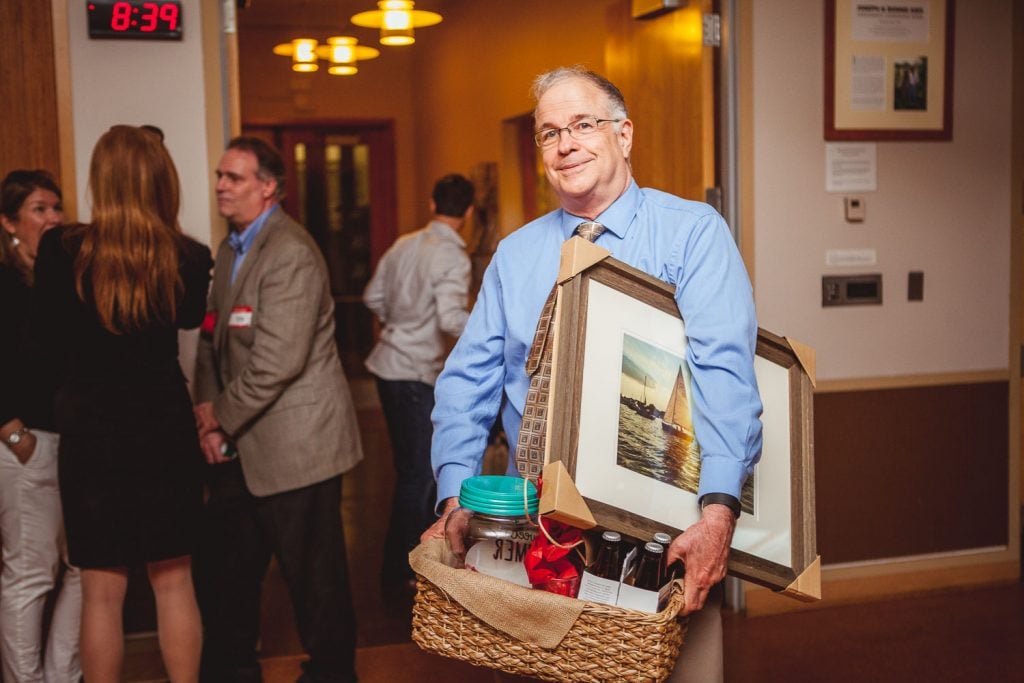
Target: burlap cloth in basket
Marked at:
534, 616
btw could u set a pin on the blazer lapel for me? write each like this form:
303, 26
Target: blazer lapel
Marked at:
252, 257
221, 287
232, 290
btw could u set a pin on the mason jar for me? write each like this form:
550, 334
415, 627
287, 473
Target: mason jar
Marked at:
499, 529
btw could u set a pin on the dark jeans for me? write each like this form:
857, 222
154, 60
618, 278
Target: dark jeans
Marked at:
407, 407
240, 532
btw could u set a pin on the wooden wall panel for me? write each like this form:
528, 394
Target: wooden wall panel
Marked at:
903, 472
666, 75
28, 115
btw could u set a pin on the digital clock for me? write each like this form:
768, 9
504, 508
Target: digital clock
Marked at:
157, 20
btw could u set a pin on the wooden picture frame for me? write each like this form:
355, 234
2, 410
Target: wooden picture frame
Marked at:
889, 70
600, 307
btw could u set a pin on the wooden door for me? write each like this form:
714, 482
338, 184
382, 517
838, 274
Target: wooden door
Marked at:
666, 74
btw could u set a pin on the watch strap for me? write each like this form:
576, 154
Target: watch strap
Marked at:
731, 502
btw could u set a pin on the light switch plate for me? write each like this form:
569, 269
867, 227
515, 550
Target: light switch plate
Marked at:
855, 209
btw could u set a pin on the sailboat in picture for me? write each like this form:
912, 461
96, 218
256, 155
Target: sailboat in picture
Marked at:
641, 407
677, 418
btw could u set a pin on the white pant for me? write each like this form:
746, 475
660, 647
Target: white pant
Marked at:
31, 533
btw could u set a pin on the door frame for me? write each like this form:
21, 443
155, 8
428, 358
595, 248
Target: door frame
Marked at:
379, 136
1016, 362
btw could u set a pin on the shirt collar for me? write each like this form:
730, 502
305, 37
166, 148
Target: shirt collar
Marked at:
616, 218
445, 230
242, 241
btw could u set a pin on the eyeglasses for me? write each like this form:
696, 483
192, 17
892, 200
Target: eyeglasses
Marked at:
578, 130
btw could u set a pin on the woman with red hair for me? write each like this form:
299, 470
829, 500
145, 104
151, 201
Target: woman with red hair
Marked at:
113, 294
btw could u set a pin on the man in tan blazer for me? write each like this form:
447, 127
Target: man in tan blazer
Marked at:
278, 430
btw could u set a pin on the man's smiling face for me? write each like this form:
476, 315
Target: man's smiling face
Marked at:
588, 174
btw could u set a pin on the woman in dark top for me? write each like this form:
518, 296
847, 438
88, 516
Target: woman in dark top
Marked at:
115, 293
30, 517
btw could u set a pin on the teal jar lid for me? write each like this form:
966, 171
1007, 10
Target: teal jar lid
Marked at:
500, 495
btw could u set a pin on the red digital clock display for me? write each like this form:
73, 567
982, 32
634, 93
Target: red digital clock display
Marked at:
161, 20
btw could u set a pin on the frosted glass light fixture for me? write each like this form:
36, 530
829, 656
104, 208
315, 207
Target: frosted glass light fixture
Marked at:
303, 52
396, 20
343, 52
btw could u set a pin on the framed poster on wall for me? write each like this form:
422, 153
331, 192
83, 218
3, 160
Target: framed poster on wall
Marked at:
889, 70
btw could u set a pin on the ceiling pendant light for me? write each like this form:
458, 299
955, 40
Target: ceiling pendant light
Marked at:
303, 53
396, 20
343, 52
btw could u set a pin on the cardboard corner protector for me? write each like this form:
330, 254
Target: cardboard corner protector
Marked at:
807, 357
807, 586
577, 255
561, 501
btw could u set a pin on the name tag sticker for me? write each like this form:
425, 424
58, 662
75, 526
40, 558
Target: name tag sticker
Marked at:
241, 316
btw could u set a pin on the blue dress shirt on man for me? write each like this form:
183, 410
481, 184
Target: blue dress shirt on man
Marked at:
241, 241
684, 243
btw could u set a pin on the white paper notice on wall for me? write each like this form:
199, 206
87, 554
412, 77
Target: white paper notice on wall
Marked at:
851, 257
851, 167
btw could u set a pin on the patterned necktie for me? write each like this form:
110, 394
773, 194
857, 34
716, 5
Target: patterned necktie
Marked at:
533, 430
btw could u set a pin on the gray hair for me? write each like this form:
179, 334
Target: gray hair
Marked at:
547, 80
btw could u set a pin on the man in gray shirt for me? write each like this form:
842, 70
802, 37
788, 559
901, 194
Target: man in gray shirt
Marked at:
419, 292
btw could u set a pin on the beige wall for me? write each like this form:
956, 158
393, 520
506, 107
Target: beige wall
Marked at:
941, 207
136, 82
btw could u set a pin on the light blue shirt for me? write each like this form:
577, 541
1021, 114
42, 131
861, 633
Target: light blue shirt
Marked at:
241, 242
684, 243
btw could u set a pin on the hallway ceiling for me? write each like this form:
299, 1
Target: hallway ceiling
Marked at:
331, 16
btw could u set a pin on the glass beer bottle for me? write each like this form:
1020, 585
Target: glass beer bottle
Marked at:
662, 538
672, 571
649, 572
608, 564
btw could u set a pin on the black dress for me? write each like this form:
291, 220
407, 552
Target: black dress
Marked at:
129, 464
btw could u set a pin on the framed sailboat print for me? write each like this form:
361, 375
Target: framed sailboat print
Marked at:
621, 420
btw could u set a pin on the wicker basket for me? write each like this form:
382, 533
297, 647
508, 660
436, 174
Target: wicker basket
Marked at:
605, 643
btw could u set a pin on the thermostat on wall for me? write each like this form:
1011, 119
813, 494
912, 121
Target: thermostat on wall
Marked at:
138, 20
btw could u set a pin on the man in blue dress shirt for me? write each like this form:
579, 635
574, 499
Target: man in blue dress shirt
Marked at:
585, 137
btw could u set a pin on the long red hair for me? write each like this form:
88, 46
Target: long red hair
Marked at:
129, 252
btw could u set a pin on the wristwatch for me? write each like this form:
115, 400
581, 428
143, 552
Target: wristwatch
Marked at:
15, 437
725, 499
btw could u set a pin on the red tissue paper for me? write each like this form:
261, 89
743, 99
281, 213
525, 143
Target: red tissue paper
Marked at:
545, 561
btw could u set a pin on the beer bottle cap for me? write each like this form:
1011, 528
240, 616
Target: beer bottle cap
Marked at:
662, 538
653, 547
611, 536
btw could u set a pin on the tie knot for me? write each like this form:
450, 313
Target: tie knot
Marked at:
236, 242
589, 230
